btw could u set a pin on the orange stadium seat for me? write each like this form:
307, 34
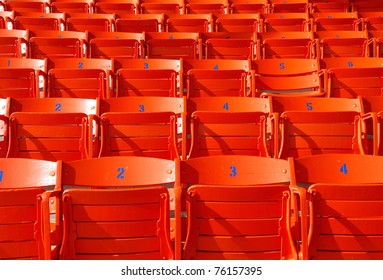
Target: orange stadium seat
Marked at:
189, 23
115, 45
248, 7
246, 211
80, 78
72, 6
287, 77
173, 45
90, 22
336, 21
159, 6
145, 126
120, 212
344, 205
57, 44
291, 44
205, 7
40, 21
140, 23
291, 6
27, 230
285, 22
237, 23
39, 6
319, 6
312, 126
14, 43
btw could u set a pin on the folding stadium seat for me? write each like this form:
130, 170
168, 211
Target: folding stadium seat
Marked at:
57, 44
120, 212
350, 62
6, 19
90, 22
142, 126
115, 45
291, 6
117, 7
19, 77
230, 49
14, 43
148, 77
229, 126
312, 126
285, 22
291, 44
216, 77
248, 7
173, 45
80, 78
159, 7
345, 205
245, 211
366, 6
319, 6
189, 23
342, 43
39, 6
72, 6
287, 78
205, 7
336, 21
140, 23
26, 230
353, 81
214, 42
4, 114
237, 23
40, 21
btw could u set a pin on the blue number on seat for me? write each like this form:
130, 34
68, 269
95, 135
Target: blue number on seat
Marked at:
171, 38
121, 172
142, 108
309, 106
233, 170
58, 107
146, 65
226, 106
282, 66
350, 64
216, 67
1, 175
343, 169
9, 63
80, 65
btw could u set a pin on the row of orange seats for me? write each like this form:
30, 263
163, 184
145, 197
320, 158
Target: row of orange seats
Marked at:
72, 128
237, 207
109, 78
193, 22
192, 6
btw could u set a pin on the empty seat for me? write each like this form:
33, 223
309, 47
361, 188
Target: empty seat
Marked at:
237, 23
336, 21
119, 8
345, 203
291, 6
312, 126
57, 44
140, 23
20, 77
319, 6
216, 77
173, 45
243, 211
115, 45
39, 6
26, 229
90, 22
14, 43
291, 44
40, 21
120, 212
189, 23
205, 7
354, 81
287, 77
145, 126
72, 6
285, 22
159, 6
248, 7
342, 43
80, 78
